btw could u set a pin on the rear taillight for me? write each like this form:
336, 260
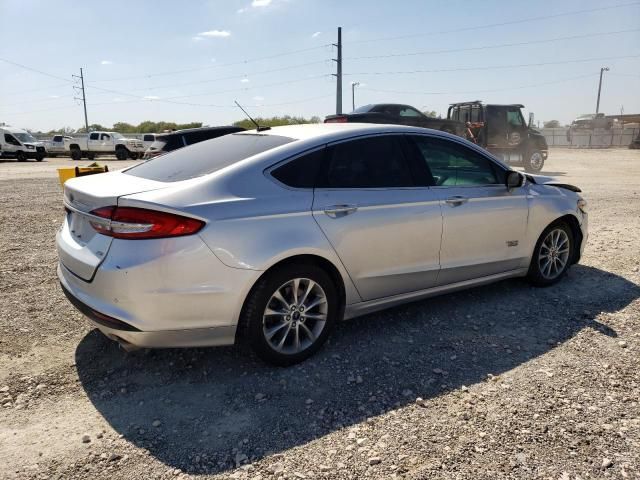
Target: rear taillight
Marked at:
139, 223
342, 119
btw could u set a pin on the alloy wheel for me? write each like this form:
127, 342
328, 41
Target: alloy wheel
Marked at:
554, 254
536, 161
295, 316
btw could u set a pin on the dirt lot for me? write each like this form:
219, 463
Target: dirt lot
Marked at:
504, 381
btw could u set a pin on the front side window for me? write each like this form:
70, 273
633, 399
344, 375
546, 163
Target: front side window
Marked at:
376, 162
452, 164
514, 117
10, 139
105, 136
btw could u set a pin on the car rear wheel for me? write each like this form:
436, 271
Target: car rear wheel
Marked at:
289, 314
122, 153
552, 255
534, 162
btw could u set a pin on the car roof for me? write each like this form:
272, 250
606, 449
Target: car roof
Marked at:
330, 132
479, 102
13, 130
200, 129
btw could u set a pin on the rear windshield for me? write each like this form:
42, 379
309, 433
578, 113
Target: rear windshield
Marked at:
206, 157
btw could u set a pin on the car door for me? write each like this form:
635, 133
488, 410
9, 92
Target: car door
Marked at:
384, 225
484, 223
106, 143
93, 143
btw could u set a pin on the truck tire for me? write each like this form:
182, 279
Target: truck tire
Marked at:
91, 156
76, 154
39, 157
133, 155
122, 153
21, 156
534, 161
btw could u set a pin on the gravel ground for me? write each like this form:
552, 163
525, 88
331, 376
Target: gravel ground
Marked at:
503, 381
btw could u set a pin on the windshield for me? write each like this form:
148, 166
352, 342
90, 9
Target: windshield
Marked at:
116, 135
206, 157
24, 137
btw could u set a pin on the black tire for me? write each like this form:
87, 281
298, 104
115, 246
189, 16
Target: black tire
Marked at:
122, 153
133, 155
91, 156
76, 154
39, 157
534, 161
536, 275
21, 156
252, 317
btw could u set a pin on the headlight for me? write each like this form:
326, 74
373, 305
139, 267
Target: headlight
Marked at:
582, 204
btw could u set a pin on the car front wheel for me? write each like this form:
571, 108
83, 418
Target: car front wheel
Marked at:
289, 313
552, 255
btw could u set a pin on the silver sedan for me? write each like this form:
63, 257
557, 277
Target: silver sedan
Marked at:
271, 237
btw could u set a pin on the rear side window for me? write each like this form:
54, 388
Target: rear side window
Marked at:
376, 162
93, 136
208, 157
57, 138
300, 172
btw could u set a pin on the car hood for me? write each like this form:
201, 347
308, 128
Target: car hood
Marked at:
545, 180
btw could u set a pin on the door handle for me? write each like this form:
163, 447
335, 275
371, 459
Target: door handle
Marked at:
335, 211
456, 200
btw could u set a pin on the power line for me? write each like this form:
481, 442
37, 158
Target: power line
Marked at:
35, 70
229, 106
590, 75
499, 24
196, 69
495, 67
39, 89
218, 79
486, 47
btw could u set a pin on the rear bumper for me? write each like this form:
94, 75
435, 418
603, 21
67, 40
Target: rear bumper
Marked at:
162, 293
128, 335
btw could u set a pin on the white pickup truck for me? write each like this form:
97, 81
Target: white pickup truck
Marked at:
58, 145
105, 143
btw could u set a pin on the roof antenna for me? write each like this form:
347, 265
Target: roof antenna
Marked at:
258, 127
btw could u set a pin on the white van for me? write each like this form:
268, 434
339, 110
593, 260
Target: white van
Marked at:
20, 144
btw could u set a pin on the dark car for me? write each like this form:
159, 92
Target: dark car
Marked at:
167, 142
397, 114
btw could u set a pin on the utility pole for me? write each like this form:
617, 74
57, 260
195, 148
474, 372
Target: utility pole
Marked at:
353, 94
338, 73
602, 70
84, 98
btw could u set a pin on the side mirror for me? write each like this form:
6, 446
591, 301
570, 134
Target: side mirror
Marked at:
514, 180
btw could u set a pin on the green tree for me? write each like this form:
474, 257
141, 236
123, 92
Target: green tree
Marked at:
275, 121
551, 124
431, 114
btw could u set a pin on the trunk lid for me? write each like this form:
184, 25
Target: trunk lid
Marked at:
80, 248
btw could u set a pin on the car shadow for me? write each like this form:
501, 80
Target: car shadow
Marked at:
220, 407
